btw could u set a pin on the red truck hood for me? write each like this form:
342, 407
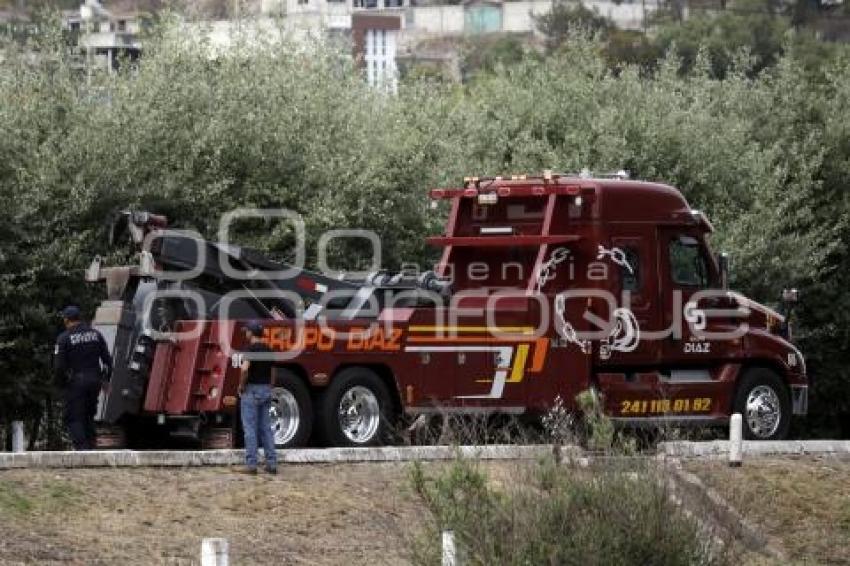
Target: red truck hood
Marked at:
760, 315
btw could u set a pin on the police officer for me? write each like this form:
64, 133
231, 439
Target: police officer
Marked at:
82, 366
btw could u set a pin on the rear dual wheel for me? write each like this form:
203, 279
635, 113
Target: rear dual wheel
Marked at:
291, 413
355, 409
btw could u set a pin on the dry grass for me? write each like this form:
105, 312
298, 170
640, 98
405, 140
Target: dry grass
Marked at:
331, 514
803, 504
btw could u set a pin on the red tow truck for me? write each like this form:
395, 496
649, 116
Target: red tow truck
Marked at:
547, 286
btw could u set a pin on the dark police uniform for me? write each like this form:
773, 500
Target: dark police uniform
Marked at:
80, 351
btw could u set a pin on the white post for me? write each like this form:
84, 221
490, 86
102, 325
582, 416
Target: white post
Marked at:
214, 552
18, 444
449, 549
735, 442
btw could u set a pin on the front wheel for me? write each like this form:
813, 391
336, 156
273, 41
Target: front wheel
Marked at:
291, 413
765, 405
355, 409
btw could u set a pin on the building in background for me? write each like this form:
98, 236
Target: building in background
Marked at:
105, 38
388, 35
385, 36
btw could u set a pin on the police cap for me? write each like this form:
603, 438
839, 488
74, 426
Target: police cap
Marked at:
71, 312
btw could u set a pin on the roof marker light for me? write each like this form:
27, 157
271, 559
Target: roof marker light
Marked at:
497, 230
487, 198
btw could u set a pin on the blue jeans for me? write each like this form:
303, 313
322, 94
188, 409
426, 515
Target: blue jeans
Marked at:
255, 405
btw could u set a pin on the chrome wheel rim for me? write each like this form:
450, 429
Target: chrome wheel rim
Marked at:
764, 411
359, 414
284, 416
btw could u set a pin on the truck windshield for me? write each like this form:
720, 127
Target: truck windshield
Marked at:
687, 264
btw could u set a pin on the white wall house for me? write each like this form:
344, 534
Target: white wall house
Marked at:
380, 30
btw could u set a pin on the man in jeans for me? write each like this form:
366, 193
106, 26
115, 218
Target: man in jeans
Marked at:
255, 391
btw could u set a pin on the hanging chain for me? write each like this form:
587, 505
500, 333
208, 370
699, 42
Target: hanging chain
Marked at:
548, 270
565, 329
617, 255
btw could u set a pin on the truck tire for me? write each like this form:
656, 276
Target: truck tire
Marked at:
292, 410
355, 409
763, 400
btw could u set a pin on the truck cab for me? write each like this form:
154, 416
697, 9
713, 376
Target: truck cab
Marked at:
639, 301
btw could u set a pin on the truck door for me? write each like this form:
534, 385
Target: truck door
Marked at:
686, 270
690, 376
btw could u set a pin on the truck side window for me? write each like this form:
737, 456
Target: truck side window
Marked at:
631, 279
687, 266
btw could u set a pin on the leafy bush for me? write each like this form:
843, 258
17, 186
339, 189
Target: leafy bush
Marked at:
569, 20
551, 514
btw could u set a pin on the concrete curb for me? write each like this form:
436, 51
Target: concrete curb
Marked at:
720, 448
184, 458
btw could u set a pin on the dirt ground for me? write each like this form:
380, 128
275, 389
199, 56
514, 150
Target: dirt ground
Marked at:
801, 503
343, 513
316, 514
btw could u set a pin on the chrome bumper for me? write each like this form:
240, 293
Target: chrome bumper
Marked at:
799, 399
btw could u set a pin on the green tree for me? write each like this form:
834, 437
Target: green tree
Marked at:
485, 53
751, 24
569, 19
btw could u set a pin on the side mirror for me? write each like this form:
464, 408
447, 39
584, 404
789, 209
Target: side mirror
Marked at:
723, 264
789, 301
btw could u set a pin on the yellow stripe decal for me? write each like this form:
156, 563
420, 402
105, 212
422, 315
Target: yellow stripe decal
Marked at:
518, 371
491, 329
